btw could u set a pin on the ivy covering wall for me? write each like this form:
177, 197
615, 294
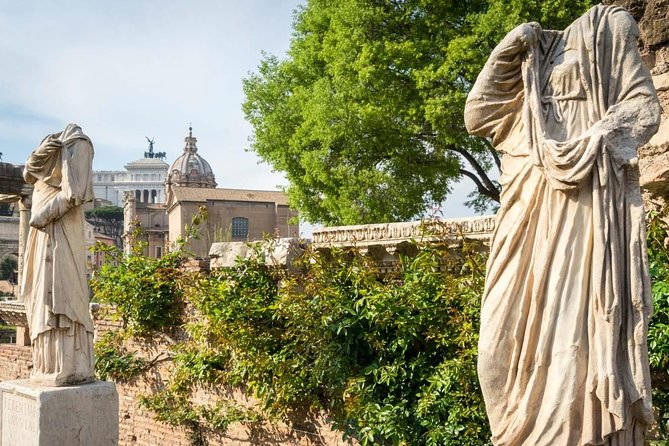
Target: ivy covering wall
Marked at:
389, 358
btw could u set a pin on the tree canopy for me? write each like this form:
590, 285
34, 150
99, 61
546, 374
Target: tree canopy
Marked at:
7, 267
365, 114
108, 220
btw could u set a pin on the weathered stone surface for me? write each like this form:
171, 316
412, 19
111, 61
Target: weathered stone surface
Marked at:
654, 162
661, 82
386, 234
225, 254
53, 282
654, 25
84, 415
563, 295
281, 252
635, 7
652, 17
655, 174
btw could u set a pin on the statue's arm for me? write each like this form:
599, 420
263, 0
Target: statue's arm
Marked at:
496, 98
51, 211
635, 115
79, 159
47, 149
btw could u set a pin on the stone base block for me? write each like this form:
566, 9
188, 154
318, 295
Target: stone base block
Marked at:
83, 415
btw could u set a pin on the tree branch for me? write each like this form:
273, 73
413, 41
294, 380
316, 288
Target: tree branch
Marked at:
481, 188
493, 194
494, 153
489, 186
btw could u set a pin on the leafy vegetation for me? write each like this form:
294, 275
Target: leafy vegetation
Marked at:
113, 361
658, 331
371, 351
390, 358
8, 265
369, 103
145, 293
108, 220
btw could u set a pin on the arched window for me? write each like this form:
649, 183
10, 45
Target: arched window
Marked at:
240, 227
146, 196
138, 195
154, 194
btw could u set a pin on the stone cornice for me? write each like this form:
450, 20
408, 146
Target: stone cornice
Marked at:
13, 313
387, 234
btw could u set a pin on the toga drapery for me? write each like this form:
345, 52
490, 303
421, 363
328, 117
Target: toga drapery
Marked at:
54, 284
562, 350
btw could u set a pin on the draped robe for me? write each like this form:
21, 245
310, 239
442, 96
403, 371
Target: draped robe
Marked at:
562, 351
54, 285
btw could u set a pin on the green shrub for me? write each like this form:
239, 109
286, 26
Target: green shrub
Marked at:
145, 293
113, 361
391, 358
658, 331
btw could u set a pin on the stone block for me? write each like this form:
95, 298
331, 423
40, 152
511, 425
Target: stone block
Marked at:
283, 252
655, 174
83, 415
22, 336
224, 254
661, 82
654, 25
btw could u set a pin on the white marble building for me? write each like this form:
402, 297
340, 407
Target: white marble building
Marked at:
145, 177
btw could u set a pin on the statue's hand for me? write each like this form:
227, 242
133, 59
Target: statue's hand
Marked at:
50, 145
38, 220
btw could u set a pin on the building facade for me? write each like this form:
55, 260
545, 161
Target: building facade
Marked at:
145, 177
233, 215
189, 186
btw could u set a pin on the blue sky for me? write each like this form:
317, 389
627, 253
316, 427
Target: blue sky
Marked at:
126, 69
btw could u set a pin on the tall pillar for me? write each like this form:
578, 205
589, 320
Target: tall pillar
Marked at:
25, 204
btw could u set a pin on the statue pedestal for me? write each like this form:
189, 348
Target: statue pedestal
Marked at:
84, 415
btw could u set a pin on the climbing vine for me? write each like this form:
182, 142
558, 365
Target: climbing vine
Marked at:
389, 356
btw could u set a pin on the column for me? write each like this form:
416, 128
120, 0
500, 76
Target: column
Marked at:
25, 204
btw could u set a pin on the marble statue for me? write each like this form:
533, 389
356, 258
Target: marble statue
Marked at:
563, 359
54, 286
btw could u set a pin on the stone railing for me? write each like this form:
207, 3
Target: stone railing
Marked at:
387, 234
384, 241
13, 313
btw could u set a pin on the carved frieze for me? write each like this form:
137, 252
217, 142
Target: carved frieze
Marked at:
478, 228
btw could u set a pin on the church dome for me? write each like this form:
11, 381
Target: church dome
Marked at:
190, 169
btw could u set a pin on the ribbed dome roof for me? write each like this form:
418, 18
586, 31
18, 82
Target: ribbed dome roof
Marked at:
190, 169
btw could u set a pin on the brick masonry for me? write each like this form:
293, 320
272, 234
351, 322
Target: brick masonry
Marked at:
138, 427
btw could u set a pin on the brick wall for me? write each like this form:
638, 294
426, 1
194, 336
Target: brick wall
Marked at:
138, 427
15, 362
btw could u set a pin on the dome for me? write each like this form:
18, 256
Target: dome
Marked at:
190, 169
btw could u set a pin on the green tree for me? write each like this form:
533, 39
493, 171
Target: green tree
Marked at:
6, 209
7, 267
365, 114
109, 221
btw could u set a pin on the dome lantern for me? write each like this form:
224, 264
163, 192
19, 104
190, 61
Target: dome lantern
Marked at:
190, 169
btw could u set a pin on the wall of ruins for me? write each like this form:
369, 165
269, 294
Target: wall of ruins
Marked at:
138, 426
653, 19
